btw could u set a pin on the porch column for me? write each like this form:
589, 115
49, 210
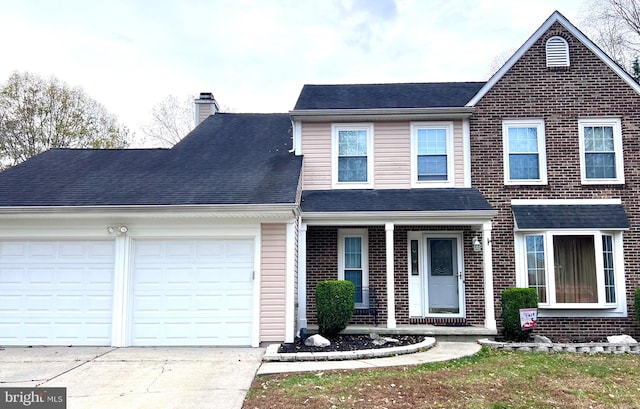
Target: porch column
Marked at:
302, 277
391, 296
487, 264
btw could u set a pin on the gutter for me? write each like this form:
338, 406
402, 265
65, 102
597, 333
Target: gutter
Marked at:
444, 216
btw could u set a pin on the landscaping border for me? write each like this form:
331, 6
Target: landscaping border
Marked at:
272, 353
584, 348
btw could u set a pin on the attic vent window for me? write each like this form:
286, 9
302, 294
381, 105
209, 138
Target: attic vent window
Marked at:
557, 52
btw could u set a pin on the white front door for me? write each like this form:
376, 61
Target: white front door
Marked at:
443, 276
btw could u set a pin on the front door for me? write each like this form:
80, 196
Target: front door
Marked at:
443, 276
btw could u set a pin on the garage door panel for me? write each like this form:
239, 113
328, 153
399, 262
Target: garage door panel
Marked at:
191, 291
56, 292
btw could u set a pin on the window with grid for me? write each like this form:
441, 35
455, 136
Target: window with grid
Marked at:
432, 154
601, 151
524, 152
352, 146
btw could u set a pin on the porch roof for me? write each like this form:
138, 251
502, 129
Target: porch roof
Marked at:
454, 200
571, 216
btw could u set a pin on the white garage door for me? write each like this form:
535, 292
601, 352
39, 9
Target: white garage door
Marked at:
56, 292
192, 292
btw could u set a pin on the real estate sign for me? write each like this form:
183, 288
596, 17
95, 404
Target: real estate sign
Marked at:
528, 318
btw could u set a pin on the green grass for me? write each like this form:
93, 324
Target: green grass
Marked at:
489, 379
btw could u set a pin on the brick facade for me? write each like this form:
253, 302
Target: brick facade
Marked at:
322, 264
588, 88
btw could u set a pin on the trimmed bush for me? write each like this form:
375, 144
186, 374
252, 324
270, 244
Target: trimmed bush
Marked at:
636, 302
513, 299
334, 301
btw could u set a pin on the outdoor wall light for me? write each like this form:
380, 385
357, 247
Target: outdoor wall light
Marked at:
117, 230
477, 246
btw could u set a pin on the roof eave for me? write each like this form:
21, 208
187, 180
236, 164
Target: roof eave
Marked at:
381, 113
451, 217
279, 210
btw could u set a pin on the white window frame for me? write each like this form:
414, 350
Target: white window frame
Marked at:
335, 129
542, 153
553, 308
363, 234
450, 181
617, 145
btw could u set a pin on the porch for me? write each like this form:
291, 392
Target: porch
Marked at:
426, 252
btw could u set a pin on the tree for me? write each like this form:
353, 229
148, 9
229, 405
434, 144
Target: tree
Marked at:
615, 26
171, 120
37, 114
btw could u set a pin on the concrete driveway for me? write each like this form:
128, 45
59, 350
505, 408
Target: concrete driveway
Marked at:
151, 377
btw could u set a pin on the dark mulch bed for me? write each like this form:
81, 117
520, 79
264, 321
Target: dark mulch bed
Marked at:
349, 343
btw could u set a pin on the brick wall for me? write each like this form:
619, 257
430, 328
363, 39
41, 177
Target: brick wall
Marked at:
322, 262
588, 88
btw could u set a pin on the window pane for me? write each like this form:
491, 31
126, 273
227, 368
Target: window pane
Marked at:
432, 141
352, 252
535, 266
609, 278
355, 276
352, 143
575, 269
523, 140
432, 167
352, 169
598, 139
600, 165
524, 166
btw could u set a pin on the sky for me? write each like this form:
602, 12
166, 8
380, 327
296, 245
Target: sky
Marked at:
255, 55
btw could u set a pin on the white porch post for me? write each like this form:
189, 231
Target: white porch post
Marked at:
487, 264
302, 277
391, 296
290, 317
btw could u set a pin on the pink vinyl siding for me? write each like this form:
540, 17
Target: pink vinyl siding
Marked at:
316, 148
391, 156
273, 283
458, 153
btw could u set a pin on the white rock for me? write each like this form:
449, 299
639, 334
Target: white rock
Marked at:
621, 339
317, 340
541, 339
373, 335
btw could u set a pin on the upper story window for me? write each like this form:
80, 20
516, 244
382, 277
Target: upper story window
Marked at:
557, 50
352, 156
524, 152
601, 159
432, 154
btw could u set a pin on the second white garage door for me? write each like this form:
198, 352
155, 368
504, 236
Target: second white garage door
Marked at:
192, 292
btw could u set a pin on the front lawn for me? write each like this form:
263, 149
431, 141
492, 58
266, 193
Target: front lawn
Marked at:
491, 379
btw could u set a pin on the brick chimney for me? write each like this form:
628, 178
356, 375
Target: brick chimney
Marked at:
205, 105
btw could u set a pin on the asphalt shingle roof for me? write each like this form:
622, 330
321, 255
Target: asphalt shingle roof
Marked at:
227, 159
382, 200
372, 96
570, 217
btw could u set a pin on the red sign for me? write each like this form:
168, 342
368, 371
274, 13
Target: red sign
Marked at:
528, 318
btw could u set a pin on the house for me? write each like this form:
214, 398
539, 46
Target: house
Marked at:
431, 197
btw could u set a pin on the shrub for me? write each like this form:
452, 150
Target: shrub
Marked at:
636, 302
334, 301
513, 299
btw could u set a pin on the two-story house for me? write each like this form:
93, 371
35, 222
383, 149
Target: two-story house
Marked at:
432, 198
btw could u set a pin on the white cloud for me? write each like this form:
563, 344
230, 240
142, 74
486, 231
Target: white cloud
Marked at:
256, 55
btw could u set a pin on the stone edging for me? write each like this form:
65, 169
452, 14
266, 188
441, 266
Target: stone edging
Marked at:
272, 353
585, 348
